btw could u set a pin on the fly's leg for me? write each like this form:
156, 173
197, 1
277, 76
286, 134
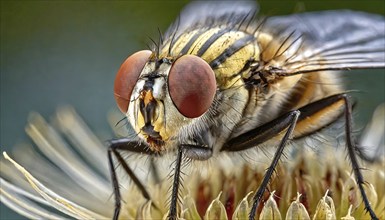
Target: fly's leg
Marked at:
195, 152
353, 157
127, 145
175, 186
258, 195
259, 135
289, 120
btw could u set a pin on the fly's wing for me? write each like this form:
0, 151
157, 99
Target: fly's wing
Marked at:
208, 13
330, 40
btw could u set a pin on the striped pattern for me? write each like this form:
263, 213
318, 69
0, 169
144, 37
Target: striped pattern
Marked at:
226, 50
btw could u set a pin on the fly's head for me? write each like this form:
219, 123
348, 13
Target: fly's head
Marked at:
161, 95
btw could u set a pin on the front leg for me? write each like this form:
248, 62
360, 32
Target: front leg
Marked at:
127, 145
175, 186
195, 152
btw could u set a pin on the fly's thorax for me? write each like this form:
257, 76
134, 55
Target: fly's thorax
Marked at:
226, 50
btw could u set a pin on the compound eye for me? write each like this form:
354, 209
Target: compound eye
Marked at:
192, 85
127, 76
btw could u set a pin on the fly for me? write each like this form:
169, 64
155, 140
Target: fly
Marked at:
227, 82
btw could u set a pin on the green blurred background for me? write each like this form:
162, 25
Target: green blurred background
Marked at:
67, 52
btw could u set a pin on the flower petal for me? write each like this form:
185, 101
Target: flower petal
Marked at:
270, 209
216, 210
189, 210
54, 199
325, 209
243, 209
297, 210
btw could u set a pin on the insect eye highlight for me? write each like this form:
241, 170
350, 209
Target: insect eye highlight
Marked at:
127, 77
191, 85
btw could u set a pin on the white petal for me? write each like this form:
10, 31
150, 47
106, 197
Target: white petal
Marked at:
54, 199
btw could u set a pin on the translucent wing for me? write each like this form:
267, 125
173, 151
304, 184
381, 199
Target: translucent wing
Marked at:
330, 40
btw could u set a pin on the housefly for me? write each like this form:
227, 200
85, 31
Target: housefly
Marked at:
222, 80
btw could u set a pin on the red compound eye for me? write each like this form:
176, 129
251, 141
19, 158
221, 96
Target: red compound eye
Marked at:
127, 76
192, 85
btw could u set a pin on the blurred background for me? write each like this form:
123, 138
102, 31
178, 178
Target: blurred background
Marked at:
67, 53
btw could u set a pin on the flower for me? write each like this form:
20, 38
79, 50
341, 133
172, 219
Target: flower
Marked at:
68, 175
